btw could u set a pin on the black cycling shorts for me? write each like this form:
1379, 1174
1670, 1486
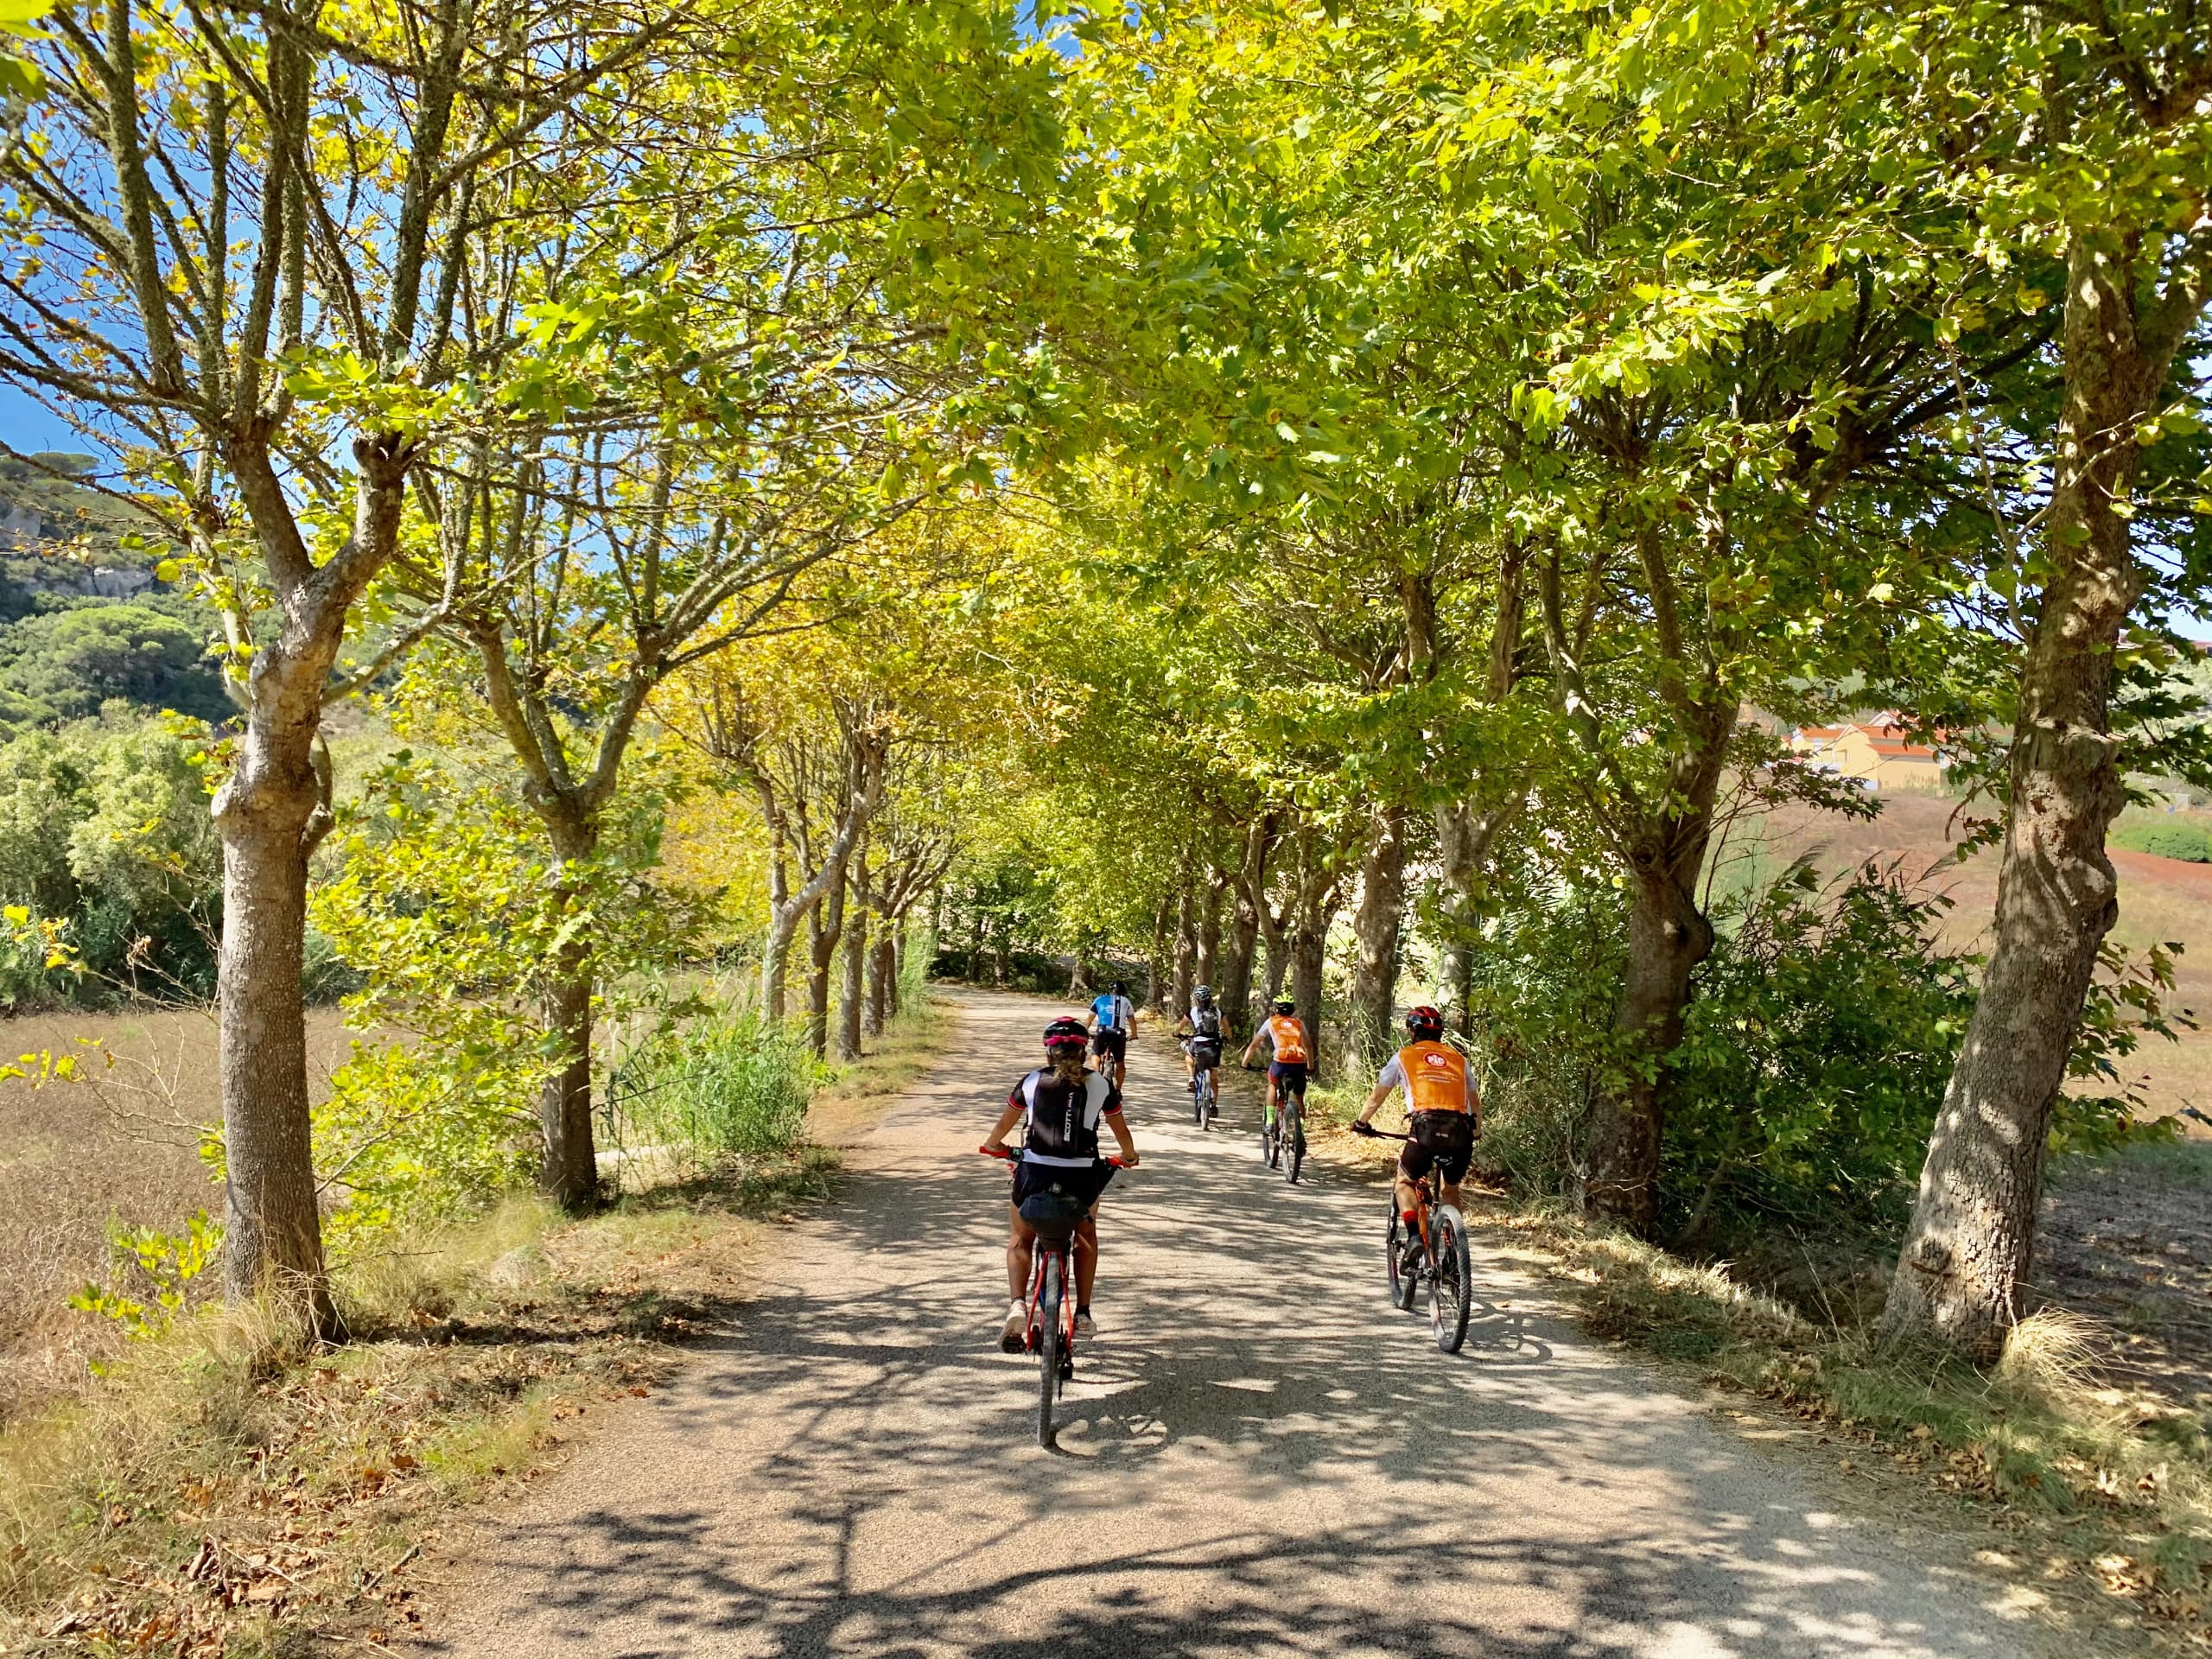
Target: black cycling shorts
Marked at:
1115, 1043
1204, 1051
1077, 1186
1442, 1141
1287, 1076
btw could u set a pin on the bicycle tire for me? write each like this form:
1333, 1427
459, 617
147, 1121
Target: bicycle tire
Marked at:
1048, 1348
1451, 1292
1268, 1143
1401, 1283
1290, 1130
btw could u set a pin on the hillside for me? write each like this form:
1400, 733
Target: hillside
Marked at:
2161, 900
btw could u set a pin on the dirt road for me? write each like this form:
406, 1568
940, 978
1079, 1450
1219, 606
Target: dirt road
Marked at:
1259, 1457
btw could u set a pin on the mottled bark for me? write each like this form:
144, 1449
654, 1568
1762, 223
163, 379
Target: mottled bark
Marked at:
1206, 965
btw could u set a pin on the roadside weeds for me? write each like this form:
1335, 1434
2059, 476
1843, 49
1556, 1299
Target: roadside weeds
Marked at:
226, 1490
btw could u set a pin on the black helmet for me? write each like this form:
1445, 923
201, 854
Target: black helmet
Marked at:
1063, 1031
1286, 1005
1204, 995
1424, 1025
1119, 987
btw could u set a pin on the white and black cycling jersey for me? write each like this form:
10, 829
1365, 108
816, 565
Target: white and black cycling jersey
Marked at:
1206, 1023
1063, 1117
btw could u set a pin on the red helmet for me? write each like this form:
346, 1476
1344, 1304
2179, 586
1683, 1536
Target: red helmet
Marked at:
1063, 1031
1424, 1024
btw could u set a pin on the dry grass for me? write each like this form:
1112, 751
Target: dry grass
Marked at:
224, 1483
224, 1490
117, 1148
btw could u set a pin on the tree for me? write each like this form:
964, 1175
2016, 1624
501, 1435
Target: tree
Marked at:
2105, 179
232, 246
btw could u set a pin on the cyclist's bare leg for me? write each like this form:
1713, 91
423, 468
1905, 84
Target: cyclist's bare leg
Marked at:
1274, 1099
1020, 1254
1086, 1258
1451, 1192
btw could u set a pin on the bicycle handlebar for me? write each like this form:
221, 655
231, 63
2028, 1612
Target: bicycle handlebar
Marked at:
1005, 1154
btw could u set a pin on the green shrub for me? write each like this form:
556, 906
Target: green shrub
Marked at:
2176, 839
1816, 1053
736, 1087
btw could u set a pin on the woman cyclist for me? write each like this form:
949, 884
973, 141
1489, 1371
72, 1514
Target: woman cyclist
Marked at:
1063, 1102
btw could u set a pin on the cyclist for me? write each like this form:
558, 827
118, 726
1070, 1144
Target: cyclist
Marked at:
1112, 1016
1203, 1034
1289, 1052
1443, 1110
1063, 1102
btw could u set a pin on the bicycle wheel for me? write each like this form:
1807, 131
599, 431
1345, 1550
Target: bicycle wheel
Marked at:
1291, 1129
1198, 1098
1401, 1282
1048, 1344
1452, 1292
1267, 1140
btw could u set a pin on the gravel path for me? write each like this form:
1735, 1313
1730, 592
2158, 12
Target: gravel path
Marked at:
1258, 1456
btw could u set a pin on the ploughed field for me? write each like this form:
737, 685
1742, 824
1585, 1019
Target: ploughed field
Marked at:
116, 1149
2161, 900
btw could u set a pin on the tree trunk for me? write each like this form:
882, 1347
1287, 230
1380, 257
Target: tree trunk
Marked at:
852, 995
1971, 1242
776, 945
1187, 946
569, 1161
1155, 966
1244, 932
1208, 962
270, 813
1376, 926
1668, 937
898, 931
882, 979
1309, 945
568, 1165
1465, 833
825, 926
272, 1236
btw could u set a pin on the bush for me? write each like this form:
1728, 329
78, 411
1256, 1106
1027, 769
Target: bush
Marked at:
733, 1088
2178, 840
1817, 1053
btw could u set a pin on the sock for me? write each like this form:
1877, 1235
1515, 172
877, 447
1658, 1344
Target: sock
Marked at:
1082, 1308
1411, 1217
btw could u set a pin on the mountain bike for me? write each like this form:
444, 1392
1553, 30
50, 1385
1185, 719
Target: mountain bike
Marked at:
1283, 1141
1206, 1093
1436, 1255
1051, 1305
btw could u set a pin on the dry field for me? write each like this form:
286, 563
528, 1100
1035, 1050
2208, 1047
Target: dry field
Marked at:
117, 1148
2162, 900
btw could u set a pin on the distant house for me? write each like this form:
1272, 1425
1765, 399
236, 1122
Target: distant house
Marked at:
1876, 751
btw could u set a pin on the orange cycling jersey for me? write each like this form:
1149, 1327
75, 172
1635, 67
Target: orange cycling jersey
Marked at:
1289, 1038
1436, 1078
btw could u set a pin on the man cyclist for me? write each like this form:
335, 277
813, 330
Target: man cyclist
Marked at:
1063, 1103
1204, 1034
1112, 1016
1443, 1110
1288, 1053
